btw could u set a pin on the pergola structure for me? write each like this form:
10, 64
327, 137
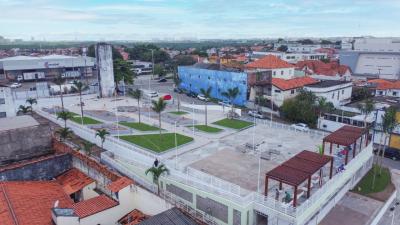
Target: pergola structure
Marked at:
297, 170
346, 136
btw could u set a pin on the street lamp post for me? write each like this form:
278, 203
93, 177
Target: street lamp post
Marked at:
176, 148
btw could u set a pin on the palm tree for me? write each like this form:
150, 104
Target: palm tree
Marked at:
60, 81
64, 115
388, 124
102, 134
231, 94
64, 133
207, 95
157, 172
87, 146
136, 94
24, 109
177, 82
158, 107
366, 108
80, 87
323, 106
31, 101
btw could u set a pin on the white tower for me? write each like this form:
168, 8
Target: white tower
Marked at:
105, 69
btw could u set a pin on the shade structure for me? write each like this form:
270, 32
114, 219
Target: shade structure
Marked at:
346, 135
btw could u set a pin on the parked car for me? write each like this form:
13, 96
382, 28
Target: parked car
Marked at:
191, 94
15, 85
390, 153
225, 103
178, 90
162, 80
152, 94
300, 126
202, 97
257, 114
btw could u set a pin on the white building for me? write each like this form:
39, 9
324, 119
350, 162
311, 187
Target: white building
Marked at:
7, 106
334, 91
377, 44
297, 47
273, 65
293, 57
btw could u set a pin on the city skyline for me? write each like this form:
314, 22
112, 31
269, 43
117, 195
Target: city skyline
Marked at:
198, 19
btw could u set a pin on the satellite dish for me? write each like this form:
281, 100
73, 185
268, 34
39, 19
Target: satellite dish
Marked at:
56, 204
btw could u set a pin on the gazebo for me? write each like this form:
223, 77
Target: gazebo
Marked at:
297, 170
346, 136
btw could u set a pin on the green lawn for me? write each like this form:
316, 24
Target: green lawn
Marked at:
208, 129
86, 120
155, 143
74, 114
139, 126
179, 113
364, 187
233, 123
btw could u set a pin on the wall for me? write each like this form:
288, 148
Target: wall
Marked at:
193, 79
377, 44
23, 143
386, 65
279, 98
147, 202
105, 69
337, 95
44, 169
7, 102
283, 73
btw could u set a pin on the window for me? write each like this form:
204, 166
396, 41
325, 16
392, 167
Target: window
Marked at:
274, 73
333, 95
2, 101
394, 94
277, 91
380, 92
292, 91
282, 72
3, 114
342, 92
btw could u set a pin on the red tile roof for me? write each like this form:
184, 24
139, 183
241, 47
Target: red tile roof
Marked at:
73, 180
269, 62
30, 202
133, 218
321, 68
119, 184
292, 83
93, 206
385, 84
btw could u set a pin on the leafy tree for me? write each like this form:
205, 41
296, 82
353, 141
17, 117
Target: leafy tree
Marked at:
326, 42
64, 133
31, 101
60, 81
306, 41
80, 87
359, 94
366, 108
157, 172
207, 95
122, 72
282, 48
323, 106
231, 94
136, 94
24, 109
64, 115
158, 107
87, 147
200, 53
102, 133
159, 70
144, 53
389, 123
184, 60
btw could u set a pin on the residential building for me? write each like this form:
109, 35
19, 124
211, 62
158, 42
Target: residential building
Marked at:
373, 57
292, 57
297, 47
331, 53
28, 68
277, 67
332, 121
385, 87
218, 77
7, 105
324, 71
334, 91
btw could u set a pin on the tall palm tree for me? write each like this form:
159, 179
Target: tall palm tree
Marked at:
87, 146
366, 108
323, 106
64, 133
158, 107
157, 172
24, 109
31, 101
58, 80
231, 94
389, 123
64, 115
207, 95
177, 82
103, 133
136, 94
80, 87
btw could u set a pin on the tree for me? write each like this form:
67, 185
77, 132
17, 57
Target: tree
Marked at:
282, 48
306, 42
389, 123
60, 81
359, 94
136, 94
87, 147
64, 115
64, 133
80, 87
322, 107
157, 172
24, 109
231, 94
366, 108
158, 107
102, 133
207, 95
302, 108
177, 82
122, 72
159, 70
115, 53
31, 101
326, 42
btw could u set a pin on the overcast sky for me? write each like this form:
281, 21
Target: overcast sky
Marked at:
190, 19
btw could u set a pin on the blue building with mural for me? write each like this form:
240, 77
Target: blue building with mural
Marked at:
220, 78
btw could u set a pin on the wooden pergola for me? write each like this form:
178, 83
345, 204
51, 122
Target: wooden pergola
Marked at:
346, 136
297, 170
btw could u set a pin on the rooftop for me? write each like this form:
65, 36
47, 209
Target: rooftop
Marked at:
321, 68
213, 66
94, 205
119, 184
73, 180
170, 217
269, 62
133, 218
11, 123
382, 84
328, 83
293, 83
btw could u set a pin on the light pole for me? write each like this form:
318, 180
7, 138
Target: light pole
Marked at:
176, 148
193, 117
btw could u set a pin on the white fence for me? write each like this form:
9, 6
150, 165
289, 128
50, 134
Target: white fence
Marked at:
311, 132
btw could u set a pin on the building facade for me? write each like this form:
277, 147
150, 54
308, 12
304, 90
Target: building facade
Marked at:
293, 57
336, 92
7, 106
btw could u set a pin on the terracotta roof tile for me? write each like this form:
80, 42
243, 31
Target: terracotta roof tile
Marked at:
321, 68
93, 206
383, 84
73, 180
269, 62
119, 184
292, 83
30, 202
133, 218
